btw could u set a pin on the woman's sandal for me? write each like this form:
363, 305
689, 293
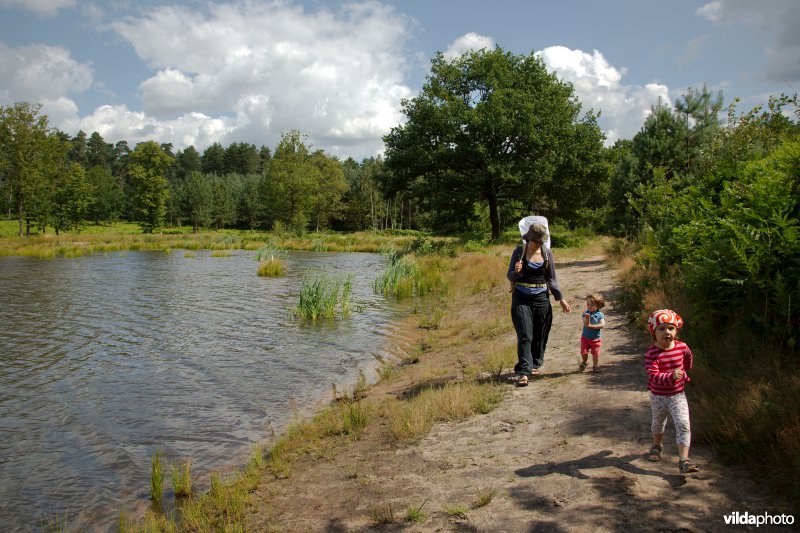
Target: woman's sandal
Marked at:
522, 381
655, 452
687, 465
535, 373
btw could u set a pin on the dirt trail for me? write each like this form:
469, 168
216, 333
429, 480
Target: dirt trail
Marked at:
565, 453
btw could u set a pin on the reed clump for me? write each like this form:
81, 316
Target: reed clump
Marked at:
272, 268
157, 476
324, 296
182, 479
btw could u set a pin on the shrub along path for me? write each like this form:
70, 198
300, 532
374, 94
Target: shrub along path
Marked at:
566, 453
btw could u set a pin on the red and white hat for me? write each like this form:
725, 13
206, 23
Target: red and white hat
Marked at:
663, 316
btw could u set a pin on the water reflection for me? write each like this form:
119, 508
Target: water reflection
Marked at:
105, 358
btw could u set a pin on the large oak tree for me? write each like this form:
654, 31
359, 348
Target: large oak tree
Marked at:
495, 128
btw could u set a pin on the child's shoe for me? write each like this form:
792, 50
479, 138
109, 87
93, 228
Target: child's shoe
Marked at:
686, 466
582, 366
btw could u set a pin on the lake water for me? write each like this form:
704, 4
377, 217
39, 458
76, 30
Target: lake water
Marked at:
105, 358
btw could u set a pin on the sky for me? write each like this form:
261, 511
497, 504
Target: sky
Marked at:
191, 72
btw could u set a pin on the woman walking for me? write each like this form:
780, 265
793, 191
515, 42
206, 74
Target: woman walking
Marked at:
532, 272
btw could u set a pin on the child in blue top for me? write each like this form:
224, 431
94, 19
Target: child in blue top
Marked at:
591, 337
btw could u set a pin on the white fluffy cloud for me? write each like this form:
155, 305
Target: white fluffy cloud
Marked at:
776, 18
44, 74
598, 86
119, 123
466, 43
265, 68
42, 7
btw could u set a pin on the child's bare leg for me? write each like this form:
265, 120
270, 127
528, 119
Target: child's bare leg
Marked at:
595, 362
683, 452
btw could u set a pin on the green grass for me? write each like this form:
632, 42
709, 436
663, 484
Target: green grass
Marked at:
456, 511
414, 513
321, 296
399, 277
272, 268
157, 476
182, 479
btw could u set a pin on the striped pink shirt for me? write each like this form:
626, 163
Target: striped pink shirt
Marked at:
660, 365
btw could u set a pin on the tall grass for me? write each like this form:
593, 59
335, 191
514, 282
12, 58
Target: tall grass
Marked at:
399, 276
157, 476
321, 296
182, 479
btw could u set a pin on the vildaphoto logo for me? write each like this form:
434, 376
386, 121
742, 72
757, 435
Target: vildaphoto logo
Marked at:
747, 519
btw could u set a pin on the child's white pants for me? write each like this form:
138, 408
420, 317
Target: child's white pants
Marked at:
678, 408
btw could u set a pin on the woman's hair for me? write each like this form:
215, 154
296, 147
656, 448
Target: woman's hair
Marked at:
597, 299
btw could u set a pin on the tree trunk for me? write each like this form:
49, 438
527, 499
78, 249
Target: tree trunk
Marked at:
494, 215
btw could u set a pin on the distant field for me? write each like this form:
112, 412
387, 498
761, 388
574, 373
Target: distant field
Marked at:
10, 228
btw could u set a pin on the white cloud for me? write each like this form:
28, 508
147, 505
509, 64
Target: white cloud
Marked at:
466, 43
42, 7
266, 68
44, 74
117, 123
598, 86
778, 19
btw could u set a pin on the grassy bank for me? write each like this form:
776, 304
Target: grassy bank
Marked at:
124, 237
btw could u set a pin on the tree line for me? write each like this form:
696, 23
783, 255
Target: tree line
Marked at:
51, 180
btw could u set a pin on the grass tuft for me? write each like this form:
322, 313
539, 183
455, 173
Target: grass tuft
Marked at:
182, 479
382, 514
272, 267
483, 498
157, 476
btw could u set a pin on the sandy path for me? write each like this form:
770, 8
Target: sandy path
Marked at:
565, 453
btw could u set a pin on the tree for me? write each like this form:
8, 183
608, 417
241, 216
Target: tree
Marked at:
488, 126
71, 199
148, 167
108, 201
187, 161
214, 160
78, 152
98, 152
198, 199
331, 186
25, 156
292, 183
241, 158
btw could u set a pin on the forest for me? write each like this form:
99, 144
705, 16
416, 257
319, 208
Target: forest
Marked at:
704, 200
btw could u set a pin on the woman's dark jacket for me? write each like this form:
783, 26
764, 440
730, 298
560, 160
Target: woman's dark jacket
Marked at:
550, 275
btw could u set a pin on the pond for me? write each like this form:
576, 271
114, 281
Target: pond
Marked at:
106, 358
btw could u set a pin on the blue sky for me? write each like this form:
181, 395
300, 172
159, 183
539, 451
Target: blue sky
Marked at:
198, 72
